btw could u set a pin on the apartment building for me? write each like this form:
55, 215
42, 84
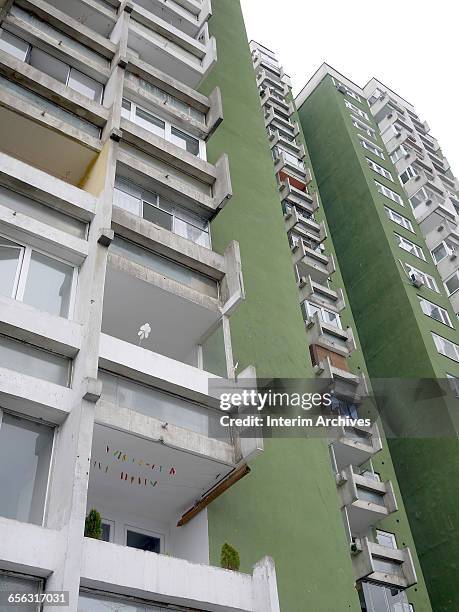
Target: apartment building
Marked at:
385, 568
139, 214
388, 196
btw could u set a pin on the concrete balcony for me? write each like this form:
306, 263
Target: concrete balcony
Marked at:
454, 299
278, 138
175, 165
395, 117
96, 15
300, 198
383, 106
424, 178
313, 263
442, 228
366, 500
356, 445
303, 224
148, 576
276, 121
270, 97
267, 79
394, 138
342, 382
391, 567
189, 17
450, 263
185, 58
260, 62
181, 105
330, 336
290, 165
320, 294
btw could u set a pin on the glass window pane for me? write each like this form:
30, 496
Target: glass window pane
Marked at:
197, 235
452, 284
25, 456
185, 141
85, 85
150, 123
13, 45
90, 603
10, 255
143, 541
32, 361
125, 200
48, 64
12, 584
157, 216
57, 277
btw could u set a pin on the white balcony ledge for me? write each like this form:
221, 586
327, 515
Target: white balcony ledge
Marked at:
39, 328
172, 51
366, 500
172, 155
298, 171
40, 186
278, 138
200, 201
320, 294
343, 383
96, 15
64, 22
167, 579
330, 336
356, 445
388, 566
265, 79
312, 263
186, 16
274, 120
306, 227
57, 93
34, 397
29, 549
295, 197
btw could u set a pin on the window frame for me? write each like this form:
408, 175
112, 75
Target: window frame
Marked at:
132, 114
363, 127
379, 169
22, 274
321, 310
370, 146
444, 315
147, 532
401, 239
453, 344
389, 193
355, 109
389, 534
412, 270
391, 213
454, 274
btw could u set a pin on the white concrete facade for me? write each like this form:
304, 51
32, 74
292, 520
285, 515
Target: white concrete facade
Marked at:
135, 397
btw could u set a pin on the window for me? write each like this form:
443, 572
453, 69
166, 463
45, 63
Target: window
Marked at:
424, 196
356, 110
379, 169
89, 601
428, 280
51, 66
363, 127
446, 347
399, 219
408, 174
288, 156
384, 538
395, 197
162, 128
376, 95
108, 530
162, 212
349, 91
327, 316
366, 144
399, 152
32, 361
435, 312
24, 272
25, 459
18, 583
409, 246
443, 250
452, 283
142, 540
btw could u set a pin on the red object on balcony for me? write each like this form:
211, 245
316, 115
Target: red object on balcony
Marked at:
319, 353
293, 181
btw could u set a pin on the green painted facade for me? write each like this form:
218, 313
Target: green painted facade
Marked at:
288, 506
394, 332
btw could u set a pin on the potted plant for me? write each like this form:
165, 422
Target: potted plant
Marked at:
229, 558
93, 525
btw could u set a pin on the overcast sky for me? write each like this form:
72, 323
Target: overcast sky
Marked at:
410, 45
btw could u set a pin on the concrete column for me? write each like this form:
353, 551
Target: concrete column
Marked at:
265, 596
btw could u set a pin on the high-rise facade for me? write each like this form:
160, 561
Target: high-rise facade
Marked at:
389, 199
147, 246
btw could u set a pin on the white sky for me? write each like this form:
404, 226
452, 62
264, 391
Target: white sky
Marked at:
409, 45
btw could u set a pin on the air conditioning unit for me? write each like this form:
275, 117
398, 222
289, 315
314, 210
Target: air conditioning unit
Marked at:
428, 202
453, 255
416, 280
341, 89
302, 282
322, 247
